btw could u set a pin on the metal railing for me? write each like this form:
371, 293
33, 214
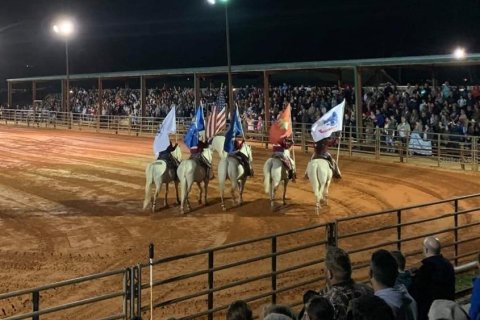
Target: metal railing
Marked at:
126, 294
444, 149
459, 240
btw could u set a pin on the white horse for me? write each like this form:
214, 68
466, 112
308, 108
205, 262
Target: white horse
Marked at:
320, 175
158, 172
274, 171
231, 168
190, 171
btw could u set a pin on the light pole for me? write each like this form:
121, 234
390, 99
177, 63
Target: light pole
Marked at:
65, 28
229, 62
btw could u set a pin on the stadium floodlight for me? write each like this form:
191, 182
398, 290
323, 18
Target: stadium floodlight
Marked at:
64, 28
459, 53
229, 62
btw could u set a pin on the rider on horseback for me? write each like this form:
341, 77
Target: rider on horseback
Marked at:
196, 154
321, 152
279, 152
242, 158
166, 155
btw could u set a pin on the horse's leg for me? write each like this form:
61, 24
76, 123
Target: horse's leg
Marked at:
205, 183
241, 187
165, 202
176, 191
285, 182
199, 184
158, 187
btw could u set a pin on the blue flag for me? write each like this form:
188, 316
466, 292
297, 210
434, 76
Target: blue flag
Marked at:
234, 130
198, 124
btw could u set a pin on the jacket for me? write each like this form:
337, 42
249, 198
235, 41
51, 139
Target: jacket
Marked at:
403, 305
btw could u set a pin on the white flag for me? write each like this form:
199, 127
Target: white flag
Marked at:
330, 122
169, 125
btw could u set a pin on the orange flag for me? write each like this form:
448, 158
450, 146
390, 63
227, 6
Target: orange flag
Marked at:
282, 127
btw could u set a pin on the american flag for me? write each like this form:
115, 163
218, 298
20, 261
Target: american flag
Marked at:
217, 119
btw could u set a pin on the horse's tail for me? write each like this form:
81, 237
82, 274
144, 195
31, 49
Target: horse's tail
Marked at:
182, 176
267, 168
222, 173
148, 185
317, 179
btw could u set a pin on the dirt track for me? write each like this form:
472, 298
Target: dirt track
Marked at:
70, 204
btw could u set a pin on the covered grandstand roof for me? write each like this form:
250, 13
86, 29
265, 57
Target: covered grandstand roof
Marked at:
434, 60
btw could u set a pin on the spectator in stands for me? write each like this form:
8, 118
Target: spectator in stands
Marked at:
446, 310
475, 301
278, 312
341, 288
369, 307
319, 308
383, 274
307, 296
435, 279
239, 310
404, 277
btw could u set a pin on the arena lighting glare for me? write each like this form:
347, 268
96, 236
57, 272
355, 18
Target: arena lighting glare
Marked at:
212, 2
459, 53
63, 27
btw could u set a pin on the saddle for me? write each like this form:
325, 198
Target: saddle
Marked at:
243, 160
200, 160
325, 156
284, 161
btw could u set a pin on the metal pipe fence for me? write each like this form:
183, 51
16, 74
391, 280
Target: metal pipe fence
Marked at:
423, 148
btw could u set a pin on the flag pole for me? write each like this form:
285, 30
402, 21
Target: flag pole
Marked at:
338, 149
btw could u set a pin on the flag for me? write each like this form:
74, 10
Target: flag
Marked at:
217, 119
198, 125
282, 127
169, 125
234, 130
330, 122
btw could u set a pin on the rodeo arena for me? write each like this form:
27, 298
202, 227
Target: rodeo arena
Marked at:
321, 190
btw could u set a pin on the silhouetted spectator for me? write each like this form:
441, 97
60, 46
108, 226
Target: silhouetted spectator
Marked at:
383, 274
369, 307
239, 310
278, 312
340, 286
435, 279
319, 308
404, 277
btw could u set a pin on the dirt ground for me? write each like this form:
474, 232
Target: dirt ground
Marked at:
70, 205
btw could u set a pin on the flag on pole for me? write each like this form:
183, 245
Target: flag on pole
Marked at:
234, 130
169, 125
282, 127
330, 122
217, 119
197, 126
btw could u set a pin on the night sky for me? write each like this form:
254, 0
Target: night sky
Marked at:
116, 35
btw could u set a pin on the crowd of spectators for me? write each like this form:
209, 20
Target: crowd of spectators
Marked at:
423, 108
424, 293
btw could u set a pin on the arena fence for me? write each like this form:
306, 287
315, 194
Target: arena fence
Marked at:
428, 149
275, 268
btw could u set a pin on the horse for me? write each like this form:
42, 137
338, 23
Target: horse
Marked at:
231, 168
274, 171
320, 175
158, 172
190, 171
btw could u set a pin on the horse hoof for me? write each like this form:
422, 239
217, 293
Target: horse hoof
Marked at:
223, 208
